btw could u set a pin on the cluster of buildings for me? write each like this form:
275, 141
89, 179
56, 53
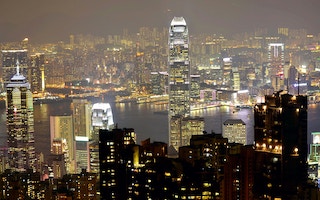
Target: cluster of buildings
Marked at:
92, 158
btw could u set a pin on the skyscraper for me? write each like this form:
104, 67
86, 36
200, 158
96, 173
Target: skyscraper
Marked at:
179, 79
116, 162
20, 123
82, 132
102, 118
81, 118
37, 72
281, 145
61, 128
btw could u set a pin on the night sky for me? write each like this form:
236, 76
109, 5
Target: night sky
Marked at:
50, 21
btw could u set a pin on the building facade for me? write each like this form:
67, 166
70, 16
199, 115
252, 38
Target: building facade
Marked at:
281, 145
82, 124
116, 162
179, 79
20, 123
235, 131
61, 129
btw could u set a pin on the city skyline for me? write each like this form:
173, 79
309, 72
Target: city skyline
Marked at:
54, 21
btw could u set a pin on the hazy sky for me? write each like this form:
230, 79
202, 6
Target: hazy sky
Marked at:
45, 20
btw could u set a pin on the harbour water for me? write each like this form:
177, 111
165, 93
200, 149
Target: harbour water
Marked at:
148, 120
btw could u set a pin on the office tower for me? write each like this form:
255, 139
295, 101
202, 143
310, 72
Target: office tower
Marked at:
227, 72
235, 131
20, 123
140, 71
275, 65
281, 145
37, 72
9, 63
116, 162
236, 79
102, 118
179, 79
82, 109
283, 31
61, 129
191, 126
195, 88
82, 124
82, 154
158, 82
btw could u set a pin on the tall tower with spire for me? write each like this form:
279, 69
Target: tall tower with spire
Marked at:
179, 80
20, 123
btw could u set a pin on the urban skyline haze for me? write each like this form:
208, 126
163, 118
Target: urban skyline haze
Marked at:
51, 21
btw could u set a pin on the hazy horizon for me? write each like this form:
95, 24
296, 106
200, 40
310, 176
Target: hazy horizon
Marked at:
42, 21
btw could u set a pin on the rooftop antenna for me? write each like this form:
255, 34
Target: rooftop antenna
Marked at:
17, 67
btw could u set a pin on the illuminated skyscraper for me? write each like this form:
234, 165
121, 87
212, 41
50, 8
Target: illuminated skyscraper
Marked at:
82, 132
195, 88
61, 129
20, 123
102, 118
276, 64
37, 72
179, 79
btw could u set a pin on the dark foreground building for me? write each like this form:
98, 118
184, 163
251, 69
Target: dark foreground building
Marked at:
281, 146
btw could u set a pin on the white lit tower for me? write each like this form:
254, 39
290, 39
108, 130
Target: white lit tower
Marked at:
20, 123
179, 80
102, 118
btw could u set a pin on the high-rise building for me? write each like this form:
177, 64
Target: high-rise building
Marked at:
235, 131
195, 88
140, 72
116, 162
179, 79
236, 80
102, 118
37, 72
238, 172
82, 109
281, 145
276, 62
20, 123
159, 82
61, 129
208, 152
